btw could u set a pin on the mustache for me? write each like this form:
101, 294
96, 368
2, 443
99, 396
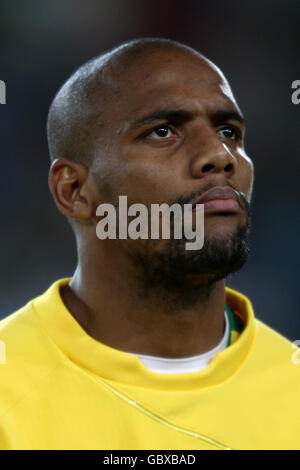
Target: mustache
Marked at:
191, 198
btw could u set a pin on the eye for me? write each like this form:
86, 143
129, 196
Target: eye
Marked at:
230, 133
161, 132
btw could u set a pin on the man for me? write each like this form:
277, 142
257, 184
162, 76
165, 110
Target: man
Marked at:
145, 347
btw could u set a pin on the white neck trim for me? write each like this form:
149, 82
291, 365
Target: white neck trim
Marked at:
184, 365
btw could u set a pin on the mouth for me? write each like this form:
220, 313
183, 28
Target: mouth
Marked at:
219, 200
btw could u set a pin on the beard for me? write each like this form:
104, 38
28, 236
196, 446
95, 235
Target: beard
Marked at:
182, 278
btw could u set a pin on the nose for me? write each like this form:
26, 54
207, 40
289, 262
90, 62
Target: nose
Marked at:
212, 156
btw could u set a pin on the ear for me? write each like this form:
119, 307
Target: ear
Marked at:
68, 182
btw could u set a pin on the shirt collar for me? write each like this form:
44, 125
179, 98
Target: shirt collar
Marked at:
111, 364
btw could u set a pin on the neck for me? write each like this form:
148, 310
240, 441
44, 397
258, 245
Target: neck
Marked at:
106, 299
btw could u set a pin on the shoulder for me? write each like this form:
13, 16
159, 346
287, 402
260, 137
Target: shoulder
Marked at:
27, 355
270, 351
275, 346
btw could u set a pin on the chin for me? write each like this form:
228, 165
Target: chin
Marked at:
221, 228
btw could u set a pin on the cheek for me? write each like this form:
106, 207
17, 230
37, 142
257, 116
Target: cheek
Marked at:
138, 183
144, 181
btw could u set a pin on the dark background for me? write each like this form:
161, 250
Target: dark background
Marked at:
257, 46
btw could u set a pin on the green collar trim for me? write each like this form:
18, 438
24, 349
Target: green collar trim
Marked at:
235, 323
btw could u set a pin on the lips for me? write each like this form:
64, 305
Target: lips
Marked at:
220, 200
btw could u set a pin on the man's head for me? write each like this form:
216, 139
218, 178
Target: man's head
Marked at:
156, 121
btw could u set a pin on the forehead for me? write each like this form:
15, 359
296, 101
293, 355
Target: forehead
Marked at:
170, 79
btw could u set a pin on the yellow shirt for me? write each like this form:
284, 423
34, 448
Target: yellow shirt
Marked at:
62, 389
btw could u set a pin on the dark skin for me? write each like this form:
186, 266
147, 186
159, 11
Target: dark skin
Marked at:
153, 162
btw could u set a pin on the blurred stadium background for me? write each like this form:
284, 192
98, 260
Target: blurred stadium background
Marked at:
256, 44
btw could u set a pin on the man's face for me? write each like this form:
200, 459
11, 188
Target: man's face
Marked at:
174, 133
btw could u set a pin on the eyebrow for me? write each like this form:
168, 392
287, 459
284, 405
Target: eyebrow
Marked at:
185, 116
164, 114
228, 115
